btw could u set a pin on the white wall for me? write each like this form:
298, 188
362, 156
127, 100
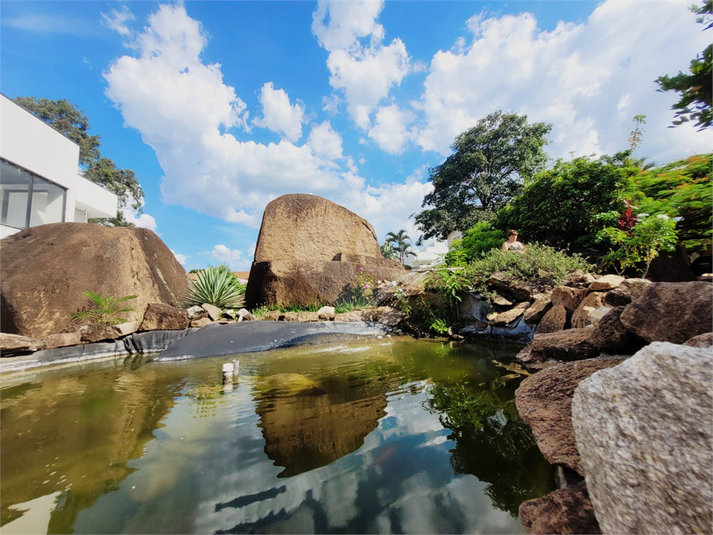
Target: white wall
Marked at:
29, 142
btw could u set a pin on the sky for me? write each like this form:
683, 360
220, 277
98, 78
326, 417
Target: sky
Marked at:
220, 107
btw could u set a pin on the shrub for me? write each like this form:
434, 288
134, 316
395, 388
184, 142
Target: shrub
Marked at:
536, 262
103, 309
216, 286
477, 241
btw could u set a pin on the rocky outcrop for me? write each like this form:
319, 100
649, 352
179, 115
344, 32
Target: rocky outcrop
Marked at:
628, 291
610, 336
568, 297
164, 317
543, 401
541, 304
671, 312
585, 314
310, 250
11, 344
644, 431
554, 320
567, 510
46, 269
572, 344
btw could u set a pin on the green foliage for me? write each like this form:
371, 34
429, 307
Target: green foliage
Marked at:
64, 117
536, 262
477, 241
560, 206
388, 251
358, 295
696, 87
440, 326
401, 244
682, 190
640, 244
487, 167
217, 286
449, 282
103, 309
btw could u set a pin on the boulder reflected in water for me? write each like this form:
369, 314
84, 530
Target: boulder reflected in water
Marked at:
308, 424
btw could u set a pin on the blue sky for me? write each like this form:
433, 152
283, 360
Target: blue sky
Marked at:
220, 107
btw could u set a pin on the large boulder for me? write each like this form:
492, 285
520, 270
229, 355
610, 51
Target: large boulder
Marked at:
310, 250
568, 345
671, 312
45, 270
644, 432
567, 510
544, 403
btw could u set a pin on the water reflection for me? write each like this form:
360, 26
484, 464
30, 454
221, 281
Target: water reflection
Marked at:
393, 436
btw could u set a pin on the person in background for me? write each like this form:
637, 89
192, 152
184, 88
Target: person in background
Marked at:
511, 244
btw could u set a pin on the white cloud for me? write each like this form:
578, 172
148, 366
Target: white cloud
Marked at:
230, 257
117, 20
324, 141
390, 128
140, 220
588, 79
364, 72
46, 23
183, 110
278, 114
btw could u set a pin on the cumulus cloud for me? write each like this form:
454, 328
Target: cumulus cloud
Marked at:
184, 111
587, 79
230, 257
140, 220
278, 114
324, 141
182, 259
390, 130
364, 72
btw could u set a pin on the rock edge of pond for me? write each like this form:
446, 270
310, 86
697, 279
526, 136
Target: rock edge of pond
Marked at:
210, 341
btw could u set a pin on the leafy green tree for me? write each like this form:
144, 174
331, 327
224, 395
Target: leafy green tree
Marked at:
486, 169
388, 251
64, 117
695, 88
561, 206
401, 243
475, 243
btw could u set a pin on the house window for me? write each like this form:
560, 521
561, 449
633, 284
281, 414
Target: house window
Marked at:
28, 200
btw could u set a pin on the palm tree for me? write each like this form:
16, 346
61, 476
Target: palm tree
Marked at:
400, 241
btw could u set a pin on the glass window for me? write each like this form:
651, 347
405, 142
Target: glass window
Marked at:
27, 199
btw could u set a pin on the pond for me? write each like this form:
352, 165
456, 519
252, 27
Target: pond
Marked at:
392, 435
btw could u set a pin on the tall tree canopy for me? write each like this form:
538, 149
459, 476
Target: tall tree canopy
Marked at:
485, 171
64, 117
696, 87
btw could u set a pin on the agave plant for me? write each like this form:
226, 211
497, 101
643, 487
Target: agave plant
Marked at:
103, 309
216, 286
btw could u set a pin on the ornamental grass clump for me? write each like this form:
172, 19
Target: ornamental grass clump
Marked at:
217, 286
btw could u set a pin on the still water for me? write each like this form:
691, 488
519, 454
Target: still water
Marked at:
391, 435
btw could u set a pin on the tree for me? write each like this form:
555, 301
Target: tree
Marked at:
400, 242
387, 251
561, 206
486, 169
64, 117
695, 88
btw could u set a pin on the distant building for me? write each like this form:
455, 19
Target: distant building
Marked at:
434, 253
39, 176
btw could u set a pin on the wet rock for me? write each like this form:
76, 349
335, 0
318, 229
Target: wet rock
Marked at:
164, 317
582, 317
500, 319
96, 332
671, 312
568, 297
567, 510
544, 403
541, 304
554, 320
572, 344
702, 340
14, 343
63, 340
605, 283
645, 437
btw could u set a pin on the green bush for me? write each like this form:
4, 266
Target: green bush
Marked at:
102, 309
537, 261
477, 241
216, 286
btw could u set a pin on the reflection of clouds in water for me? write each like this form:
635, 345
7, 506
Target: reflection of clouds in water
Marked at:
476, 507
340, 496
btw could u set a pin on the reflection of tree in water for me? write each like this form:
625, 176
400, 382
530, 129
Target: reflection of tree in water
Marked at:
492, 443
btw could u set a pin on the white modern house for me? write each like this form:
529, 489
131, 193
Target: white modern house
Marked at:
433, 253
39, 175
